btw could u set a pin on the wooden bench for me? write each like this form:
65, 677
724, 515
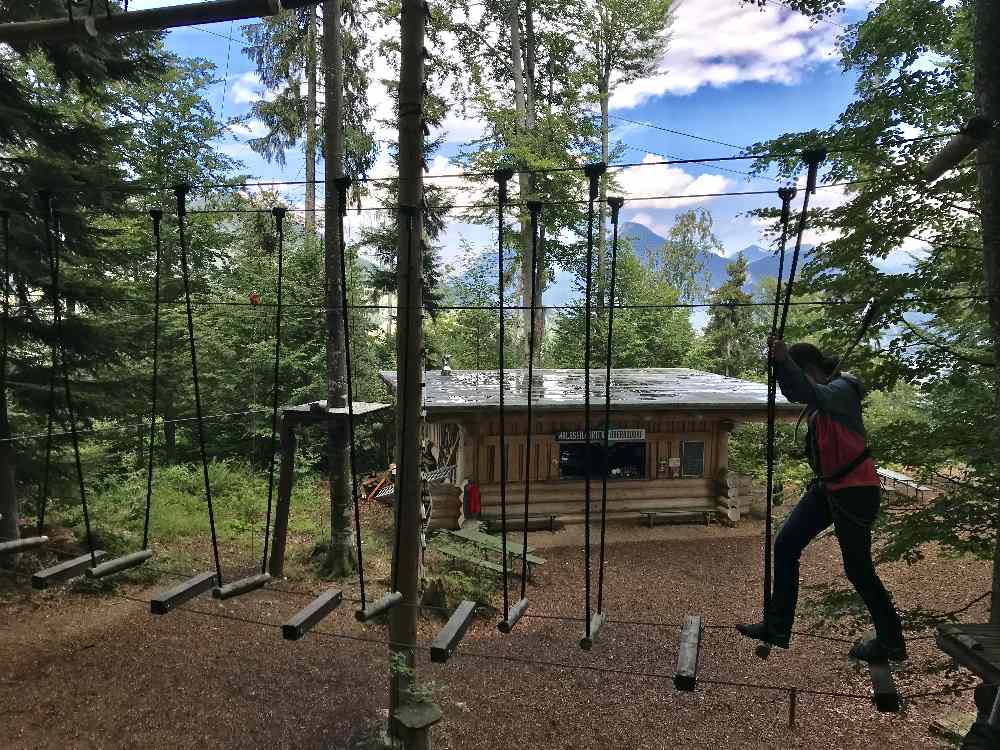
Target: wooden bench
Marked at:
515, 550
650, 516
535, 522
465, 555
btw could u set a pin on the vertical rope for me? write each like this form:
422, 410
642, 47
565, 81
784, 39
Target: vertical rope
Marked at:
342, 184
502, 176
616, 205
50, 421
535, 208
786, 194
157, 216
52, 231
5, 229
812, 158
279, 222
181, 192
593, 172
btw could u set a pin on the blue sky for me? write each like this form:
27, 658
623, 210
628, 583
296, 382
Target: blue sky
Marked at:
731, 73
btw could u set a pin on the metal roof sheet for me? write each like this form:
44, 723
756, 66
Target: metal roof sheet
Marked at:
645, 388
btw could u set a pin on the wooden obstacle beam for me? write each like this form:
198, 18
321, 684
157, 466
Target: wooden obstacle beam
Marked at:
513, 615
242, 586
596, 625
172, 598
692, 631
884, 691
305, 619
65, 570
119, 564
451, 634
22, 545
380, 607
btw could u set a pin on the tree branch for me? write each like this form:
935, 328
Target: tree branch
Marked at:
944, 347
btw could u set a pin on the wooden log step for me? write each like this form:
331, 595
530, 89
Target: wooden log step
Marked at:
119, 564
596, 625
22, 545
451, 634
65, 570
884, 689
514, 614
686, 676
189, 589
383, 605
242, 586
305, 619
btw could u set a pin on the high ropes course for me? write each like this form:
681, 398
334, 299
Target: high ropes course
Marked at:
594, 617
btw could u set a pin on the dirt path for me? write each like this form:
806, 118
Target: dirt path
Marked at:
99, 672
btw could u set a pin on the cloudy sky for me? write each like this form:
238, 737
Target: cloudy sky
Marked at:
732, 74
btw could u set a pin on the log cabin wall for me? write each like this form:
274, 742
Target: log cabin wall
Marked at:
664, 485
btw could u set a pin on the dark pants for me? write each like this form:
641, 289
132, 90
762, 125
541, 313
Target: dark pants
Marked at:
852, 511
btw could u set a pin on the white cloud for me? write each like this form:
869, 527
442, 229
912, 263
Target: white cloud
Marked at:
247, 89
251, 129
655, 179
716, 43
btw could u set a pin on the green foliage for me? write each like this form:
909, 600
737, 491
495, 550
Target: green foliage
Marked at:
731, 343
747, 444
678, 260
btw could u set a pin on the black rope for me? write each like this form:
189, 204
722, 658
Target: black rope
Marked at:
343, 183
786, 194
181, 192
502, 176
593, 172
52, 231
157, 216
279, 223
616, 205
535, 209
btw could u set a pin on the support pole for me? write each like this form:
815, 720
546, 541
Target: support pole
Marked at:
286, 477
409, 367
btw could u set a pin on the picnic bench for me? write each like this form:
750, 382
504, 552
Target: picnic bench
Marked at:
977, 648
536, 521
475, 547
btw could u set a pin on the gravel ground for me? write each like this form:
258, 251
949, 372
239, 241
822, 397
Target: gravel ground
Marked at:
97, 671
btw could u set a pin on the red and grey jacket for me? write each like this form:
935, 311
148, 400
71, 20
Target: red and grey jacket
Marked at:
836, 441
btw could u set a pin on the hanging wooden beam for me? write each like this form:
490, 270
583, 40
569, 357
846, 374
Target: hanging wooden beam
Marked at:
242, 586
125, 562
686, 676
305, 619
516, 613
65, 570
451, 634
596, 625
383, 605
152, 19
172, 598
22, 545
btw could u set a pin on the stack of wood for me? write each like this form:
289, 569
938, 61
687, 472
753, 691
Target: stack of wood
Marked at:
447, 508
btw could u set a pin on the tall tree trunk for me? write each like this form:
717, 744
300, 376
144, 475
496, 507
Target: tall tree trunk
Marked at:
409, 361
311, 102
524, 105
341, 559
987, 85
8, 487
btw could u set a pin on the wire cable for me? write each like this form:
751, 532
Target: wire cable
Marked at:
502, 176
156, 216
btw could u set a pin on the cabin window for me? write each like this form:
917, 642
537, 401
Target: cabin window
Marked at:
622, 461
692, 458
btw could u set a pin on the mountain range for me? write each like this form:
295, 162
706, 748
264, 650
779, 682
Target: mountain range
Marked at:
760, 262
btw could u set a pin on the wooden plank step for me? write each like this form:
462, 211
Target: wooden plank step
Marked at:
590, 634
514, 614
884, 692
686, 675
189, 589
64, 571
451, 634
16, 546
305, 619
380, 607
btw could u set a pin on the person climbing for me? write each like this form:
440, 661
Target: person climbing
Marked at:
845, 492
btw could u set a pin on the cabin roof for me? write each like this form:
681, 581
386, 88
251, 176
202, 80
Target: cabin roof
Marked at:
649, 389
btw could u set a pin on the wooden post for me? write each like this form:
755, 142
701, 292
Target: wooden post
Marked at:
286, 477
409, 363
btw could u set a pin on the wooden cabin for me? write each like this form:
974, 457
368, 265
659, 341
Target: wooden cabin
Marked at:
667, 446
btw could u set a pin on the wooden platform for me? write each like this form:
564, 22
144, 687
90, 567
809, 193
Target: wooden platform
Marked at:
316, 412
975, 647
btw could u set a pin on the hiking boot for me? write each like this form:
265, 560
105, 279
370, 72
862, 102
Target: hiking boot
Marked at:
872, 650
761, 631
